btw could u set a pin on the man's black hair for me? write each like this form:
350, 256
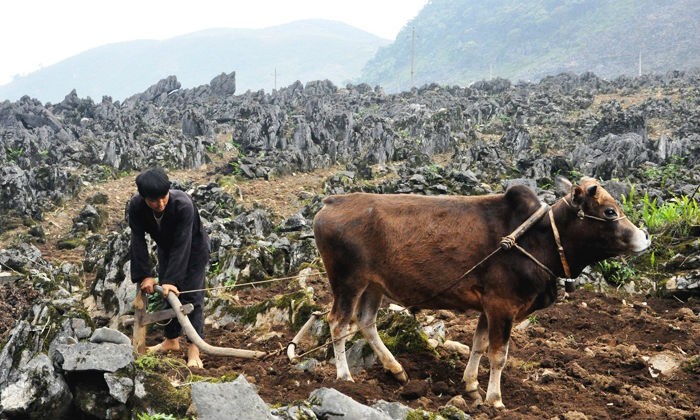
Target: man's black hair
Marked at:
153, 183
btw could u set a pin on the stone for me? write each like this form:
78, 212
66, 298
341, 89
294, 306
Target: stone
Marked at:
120, 387
457, 347
80, 328
459, 402
329, 403
294, 412
228, 401
393, 409
358, 358
294, 223
664, 363
109, 335
107, 357
38, 392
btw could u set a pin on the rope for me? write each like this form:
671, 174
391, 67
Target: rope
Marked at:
535, 260
458, 279
329, 342
233, 286
581, 214
560, 248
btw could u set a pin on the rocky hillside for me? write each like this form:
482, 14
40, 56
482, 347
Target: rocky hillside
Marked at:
258, 165
462, 41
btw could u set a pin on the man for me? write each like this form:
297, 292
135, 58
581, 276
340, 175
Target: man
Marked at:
172, 220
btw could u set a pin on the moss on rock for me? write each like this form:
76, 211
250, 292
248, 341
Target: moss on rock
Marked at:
161, 396
401, 333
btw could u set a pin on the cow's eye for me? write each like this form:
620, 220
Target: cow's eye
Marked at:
610, 213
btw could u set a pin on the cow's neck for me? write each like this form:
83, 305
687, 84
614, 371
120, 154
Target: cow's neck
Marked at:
576, 253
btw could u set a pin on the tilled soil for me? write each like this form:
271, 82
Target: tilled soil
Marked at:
587, 354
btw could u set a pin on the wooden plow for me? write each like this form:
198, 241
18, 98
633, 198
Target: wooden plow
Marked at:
179, 311
292, 346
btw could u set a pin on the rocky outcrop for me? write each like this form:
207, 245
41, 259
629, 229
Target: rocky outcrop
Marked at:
304, 127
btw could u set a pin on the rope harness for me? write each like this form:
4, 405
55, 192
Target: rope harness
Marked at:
508, 242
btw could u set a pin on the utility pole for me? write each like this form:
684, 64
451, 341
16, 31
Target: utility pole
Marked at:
275, 78
640, 62
413, 52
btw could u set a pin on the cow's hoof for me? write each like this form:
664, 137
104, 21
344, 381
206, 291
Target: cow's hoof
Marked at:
345, 378
401, 376
496, 404
475, 397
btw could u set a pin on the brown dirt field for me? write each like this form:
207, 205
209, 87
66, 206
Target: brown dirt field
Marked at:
585, 354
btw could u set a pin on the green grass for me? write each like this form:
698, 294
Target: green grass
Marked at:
156, 416
615, 271
670, 224
673, 218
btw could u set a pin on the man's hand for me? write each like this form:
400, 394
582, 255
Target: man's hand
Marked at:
167, 288
147, 285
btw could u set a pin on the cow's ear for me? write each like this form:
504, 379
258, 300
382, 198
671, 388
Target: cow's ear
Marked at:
592, 190
578, 196
563, 185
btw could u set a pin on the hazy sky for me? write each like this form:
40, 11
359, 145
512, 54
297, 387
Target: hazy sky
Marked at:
38, 33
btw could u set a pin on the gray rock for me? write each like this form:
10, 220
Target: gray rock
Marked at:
120, 387
139, 387
228, 401
294, 223
89, 219
303, 251
612, 156
329, 403
112, 291
80, 328
395, 410
618, 189
294, 412
358, 358
163, 87
106, 357
109, 335
193, 124
38, 392
224, 84
689, 281
307, 365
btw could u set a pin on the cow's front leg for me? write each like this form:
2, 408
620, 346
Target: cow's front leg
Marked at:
499, 338
479, 345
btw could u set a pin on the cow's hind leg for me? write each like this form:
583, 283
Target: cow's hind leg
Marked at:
479, 345
340, 323
367, 322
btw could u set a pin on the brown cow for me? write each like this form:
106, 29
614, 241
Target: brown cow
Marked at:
432, 252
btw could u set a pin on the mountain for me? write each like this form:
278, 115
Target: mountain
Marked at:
302, 50
462, 41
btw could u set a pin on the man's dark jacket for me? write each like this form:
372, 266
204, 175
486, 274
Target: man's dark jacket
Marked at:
182, 242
